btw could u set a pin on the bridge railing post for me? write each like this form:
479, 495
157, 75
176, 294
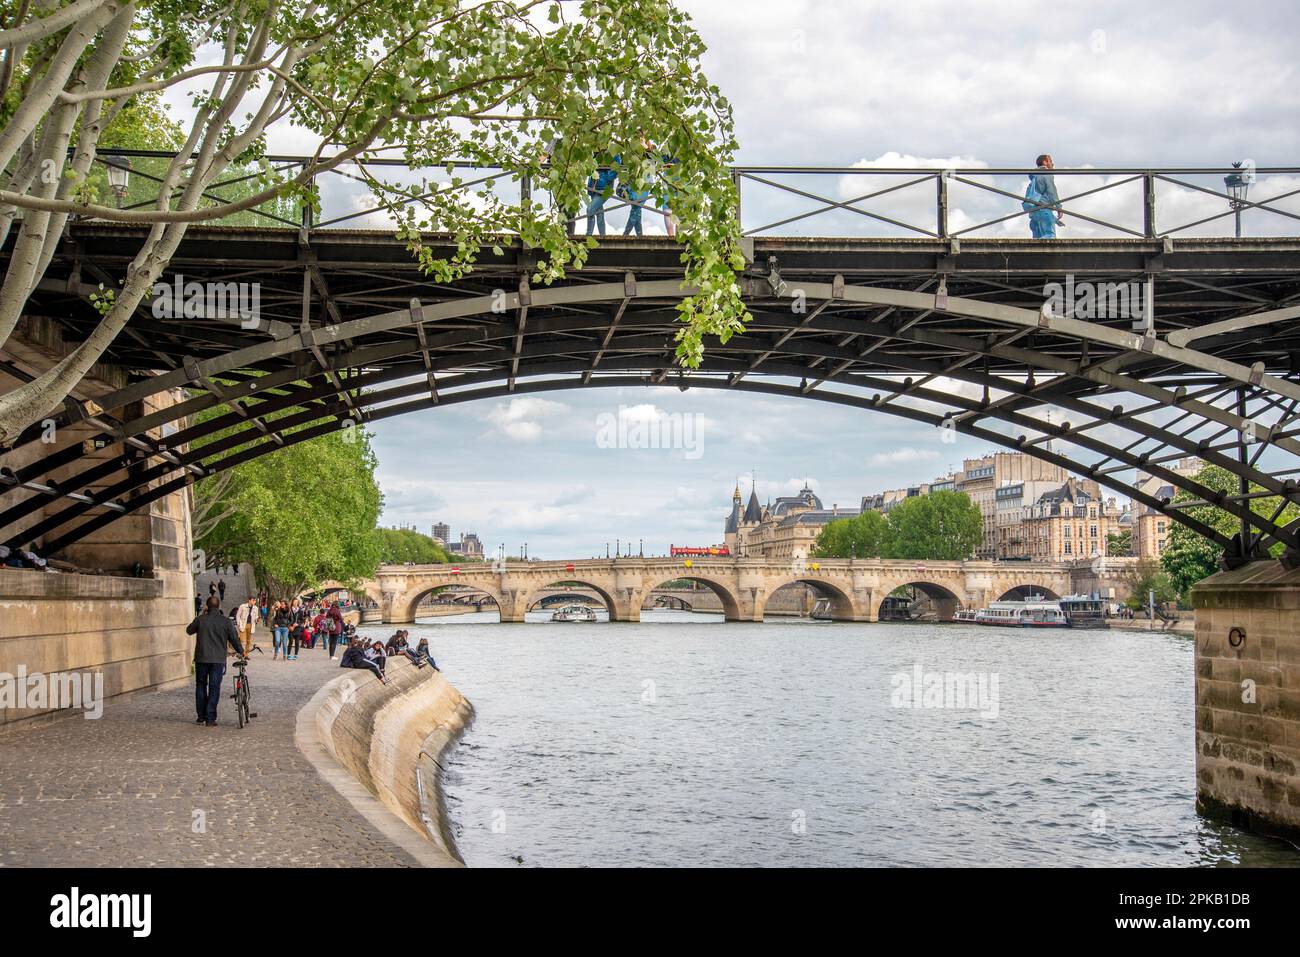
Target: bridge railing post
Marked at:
941, 204
1149, 205
525, 196
307, 215
736, 178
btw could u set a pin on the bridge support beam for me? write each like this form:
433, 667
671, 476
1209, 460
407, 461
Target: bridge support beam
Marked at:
1248, 698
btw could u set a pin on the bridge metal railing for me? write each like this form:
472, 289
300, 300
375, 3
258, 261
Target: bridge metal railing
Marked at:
845, 202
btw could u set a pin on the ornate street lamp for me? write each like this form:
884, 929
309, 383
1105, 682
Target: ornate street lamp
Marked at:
1238, 185
119, 176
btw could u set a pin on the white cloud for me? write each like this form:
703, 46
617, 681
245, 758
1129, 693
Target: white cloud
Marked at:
518, 419
902, 456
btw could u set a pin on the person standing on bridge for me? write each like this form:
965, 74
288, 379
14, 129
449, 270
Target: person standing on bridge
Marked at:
1042, 201
597, 185
213, 631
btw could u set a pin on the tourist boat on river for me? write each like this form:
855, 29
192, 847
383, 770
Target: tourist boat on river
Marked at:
574, 613
1084, 611
1033, 613
967, 615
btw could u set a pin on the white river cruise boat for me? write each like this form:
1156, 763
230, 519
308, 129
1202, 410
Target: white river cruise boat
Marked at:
574, 613
1034, 613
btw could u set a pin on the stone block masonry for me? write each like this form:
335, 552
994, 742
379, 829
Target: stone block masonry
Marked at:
1248, 698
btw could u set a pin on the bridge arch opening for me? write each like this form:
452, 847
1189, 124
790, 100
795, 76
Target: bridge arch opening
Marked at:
570, 591
808, 597
1027, 592
441, 599
919, 601
698, 593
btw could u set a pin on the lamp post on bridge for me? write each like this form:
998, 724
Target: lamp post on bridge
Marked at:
1238, 185
119, 176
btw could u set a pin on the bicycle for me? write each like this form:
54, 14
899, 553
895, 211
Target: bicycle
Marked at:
243, 694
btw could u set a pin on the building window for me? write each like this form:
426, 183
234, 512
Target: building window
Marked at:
1092, 531
1067, 548
1160, 528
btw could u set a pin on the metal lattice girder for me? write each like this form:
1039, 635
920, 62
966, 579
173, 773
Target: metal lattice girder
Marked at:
574, 370
784, 369
153, 474
599, 333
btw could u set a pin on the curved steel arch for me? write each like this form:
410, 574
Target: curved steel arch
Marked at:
292, 378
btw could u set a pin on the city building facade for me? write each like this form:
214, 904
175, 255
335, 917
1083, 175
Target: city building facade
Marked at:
1069, 523
468, 547
785, 529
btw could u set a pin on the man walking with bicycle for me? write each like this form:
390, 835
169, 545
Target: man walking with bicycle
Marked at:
214, 632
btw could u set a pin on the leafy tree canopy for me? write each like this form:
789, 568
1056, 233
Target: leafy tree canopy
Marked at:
300, 515
1189, 557
536, 88
941, 526
860, 536
400, 545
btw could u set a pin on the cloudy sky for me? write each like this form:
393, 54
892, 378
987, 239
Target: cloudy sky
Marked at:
845, 83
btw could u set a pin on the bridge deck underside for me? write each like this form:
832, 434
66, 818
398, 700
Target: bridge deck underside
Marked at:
883, 325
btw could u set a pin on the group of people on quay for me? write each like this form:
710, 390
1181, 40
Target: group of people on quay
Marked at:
295, 624
371, 655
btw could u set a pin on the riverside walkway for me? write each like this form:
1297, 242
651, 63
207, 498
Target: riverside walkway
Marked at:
126, 789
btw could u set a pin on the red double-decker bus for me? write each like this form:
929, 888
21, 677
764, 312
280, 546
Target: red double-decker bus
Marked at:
713, 550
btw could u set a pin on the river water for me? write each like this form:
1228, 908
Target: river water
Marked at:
686, 740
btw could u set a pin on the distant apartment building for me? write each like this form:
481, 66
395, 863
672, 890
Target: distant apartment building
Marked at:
1009, 504
884, 501
1151, 528
979, 479
1069, 523
1024, 503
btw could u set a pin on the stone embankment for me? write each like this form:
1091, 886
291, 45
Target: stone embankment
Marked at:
390, 739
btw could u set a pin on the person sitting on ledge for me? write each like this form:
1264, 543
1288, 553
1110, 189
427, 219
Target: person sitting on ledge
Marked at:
375, 653
400, 644
355, 657
422, 652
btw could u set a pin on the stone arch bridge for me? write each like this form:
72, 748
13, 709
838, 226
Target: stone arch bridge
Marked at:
856, 588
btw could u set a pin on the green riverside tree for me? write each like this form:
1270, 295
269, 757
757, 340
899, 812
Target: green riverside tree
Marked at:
1188, 557
942, 526
400, 545
1148, 575
300, 515
861, 536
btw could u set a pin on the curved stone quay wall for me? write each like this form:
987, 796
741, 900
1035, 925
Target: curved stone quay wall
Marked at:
392, 738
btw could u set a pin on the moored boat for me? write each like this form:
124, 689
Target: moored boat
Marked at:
1034, 613
1084, 611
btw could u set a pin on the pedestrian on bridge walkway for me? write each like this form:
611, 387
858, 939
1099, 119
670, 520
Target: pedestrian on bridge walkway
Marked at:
597, 185
1042, 201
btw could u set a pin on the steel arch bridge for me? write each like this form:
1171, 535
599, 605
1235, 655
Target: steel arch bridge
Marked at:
951, 335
